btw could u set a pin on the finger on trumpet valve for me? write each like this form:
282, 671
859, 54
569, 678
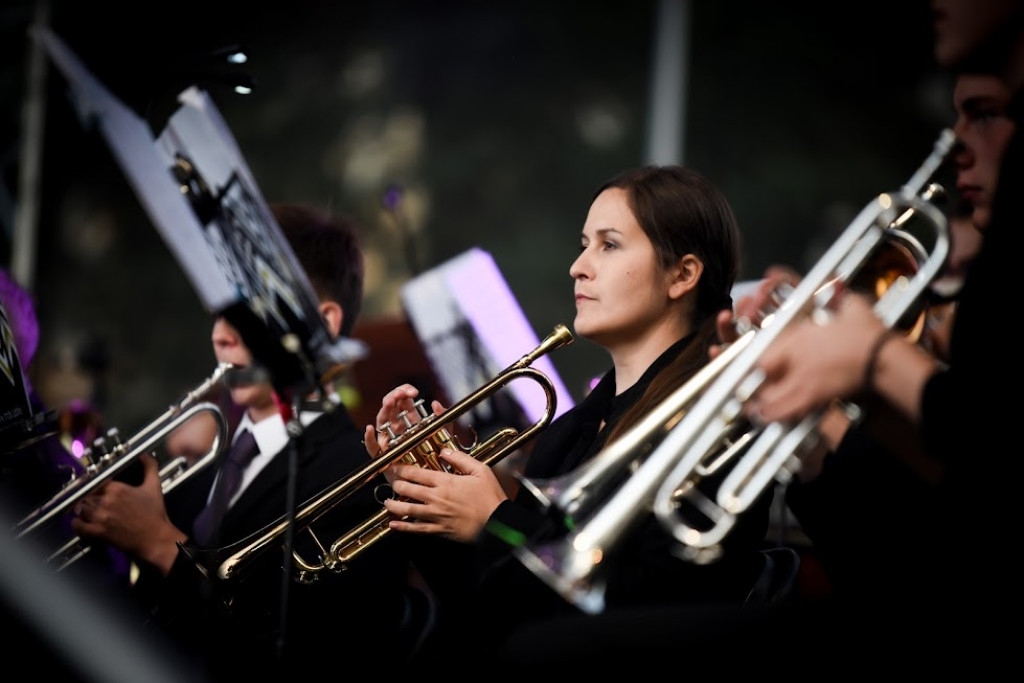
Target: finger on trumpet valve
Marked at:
420, 408
743, 325
383, 492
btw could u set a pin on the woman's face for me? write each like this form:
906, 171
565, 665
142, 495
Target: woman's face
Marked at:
621, 289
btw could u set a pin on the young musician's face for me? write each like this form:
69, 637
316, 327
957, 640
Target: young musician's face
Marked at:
228, 347
621, 290
983, 130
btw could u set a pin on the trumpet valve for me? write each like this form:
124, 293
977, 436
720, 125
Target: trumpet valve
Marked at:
418, 404
87, 460
97, 455
105, 447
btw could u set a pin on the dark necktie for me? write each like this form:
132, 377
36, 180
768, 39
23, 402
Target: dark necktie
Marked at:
208, 521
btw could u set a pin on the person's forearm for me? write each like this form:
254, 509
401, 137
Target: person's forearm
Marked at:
162, 549
899, 373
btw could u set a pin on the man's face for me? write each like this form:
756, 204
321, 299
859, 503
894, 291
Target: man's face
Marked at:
228, 347
983, 130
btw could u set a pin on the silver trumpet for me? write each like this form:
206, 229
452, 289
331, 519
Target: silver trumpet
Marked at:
704, 427
109, 456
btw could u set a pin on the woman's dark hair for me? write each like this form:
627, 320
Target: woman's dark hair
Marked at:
682, 212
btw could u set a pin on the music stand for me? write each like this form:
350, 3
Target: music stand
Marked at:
201, 196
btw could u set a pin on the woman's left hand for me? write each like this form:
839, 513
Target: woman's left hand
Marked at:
455, 506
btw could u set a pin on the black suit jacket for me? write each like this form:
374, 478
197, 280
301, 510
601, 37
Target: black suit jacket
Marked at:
236, 627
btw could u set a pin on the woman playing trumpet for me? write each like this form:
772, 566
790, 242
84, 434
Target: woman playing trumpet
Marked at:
659, 254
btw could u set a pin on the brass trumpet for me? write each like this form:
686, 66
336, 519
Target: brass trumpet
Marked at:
418, 445
109, 456
700, 428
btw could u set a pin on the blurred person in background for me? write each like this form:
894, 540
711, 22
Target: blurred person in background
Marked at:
247, 628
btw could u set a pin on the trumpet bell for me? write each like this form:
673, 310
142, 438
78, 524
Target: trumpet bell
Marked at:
576, 576
891, 266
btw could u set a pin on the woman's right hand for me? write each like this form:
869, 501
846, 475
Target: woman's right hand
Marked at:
377, 439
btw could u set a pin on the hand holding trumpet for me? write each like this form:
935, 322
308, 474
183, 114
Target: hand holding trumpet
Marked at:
455, 504
849, 353
752, 308
131, 518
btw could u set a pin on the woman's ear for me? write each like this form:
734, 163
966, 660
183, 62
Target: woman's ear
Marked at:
684, 276
333, 316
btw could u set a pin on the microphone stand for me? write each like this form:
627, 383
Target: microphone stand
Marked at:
290, 415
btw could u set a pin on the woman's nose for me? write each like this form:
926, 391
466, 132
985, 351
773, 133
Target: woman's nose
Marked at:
579, 269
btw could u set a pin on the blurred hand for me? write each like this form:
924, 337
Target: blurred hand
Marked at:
811, 363
751, 309
131, 518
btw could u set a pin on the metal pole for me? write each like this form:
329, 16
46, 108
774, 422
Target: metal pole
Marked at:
669, 83
33, 118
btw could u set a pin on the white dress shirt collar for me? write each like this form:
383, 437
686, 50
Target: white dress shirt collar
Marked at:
271, 436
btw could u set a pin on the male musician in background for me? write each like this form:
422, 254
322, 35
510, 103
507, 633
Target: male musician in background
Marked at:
828, 497
251, 637
970, 568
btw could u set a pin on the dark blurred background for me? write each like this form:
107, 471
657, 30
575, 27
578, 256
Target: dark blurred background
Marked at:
492, 122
